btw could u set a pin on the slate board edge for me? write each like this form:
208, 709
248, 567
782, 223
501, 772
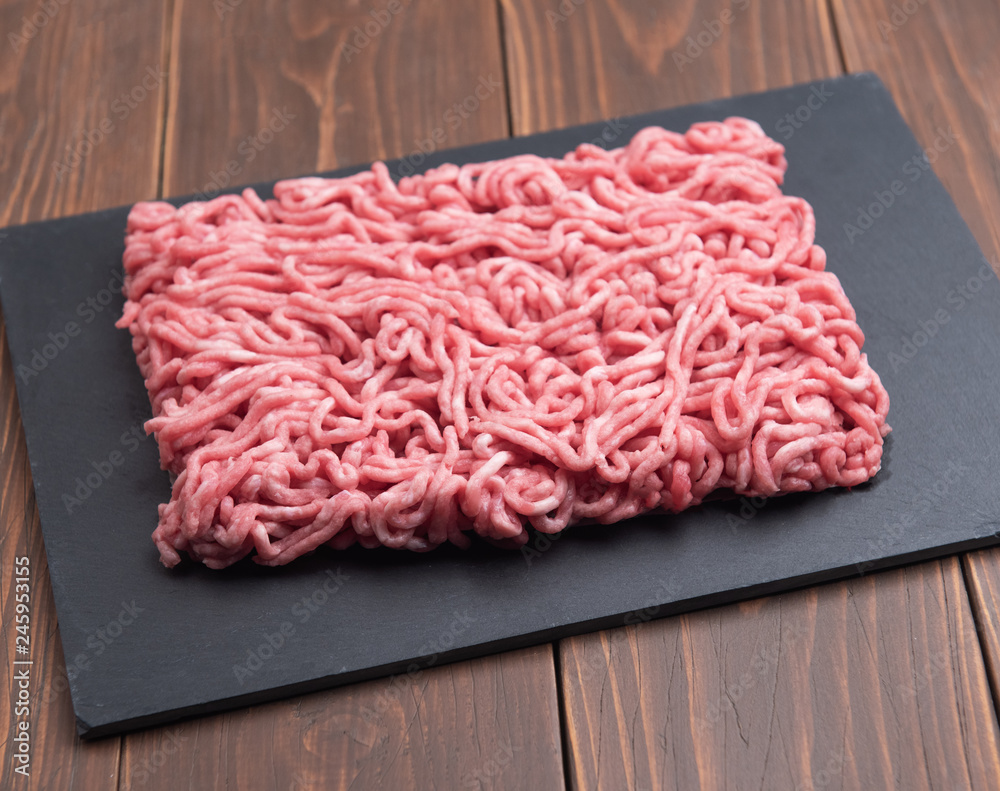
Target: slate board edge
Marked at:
96, 728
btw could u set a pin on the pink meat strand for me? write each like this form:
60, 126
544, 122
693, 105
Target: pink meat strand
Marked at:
490, 346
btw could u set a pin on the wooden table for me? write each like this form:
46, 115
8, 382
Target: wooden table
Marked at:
882, 681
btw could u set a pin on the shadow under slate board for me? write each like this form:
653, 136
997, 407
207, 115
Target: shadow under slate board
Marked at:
145, 645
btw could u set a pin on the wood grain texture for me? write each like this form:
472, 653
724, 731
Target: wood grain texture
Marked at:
839, 687
941, 62
355, 81
606, 58
873, 683
489, 723
81, 110
982, 575
480, 724
69, 142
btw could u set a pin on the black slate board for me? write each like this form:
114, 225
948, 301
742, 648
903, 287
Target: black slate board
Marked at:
145, 645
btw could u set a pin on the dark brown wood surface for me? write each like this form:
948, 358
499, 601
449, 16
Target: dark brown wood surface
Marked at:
873, 683
487, 723
355, 81
81, 106
878, 682
607, 58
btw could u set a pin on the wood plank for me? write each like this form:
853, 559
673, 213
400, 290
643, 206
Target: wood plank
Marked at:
70, 140
782, 692
334, 99
490, 723
486, 723
952, 50
873, 683
69, 143
606, 58
982, 574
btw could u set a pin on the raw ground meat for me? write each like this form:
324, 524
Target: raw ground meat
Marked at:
482, 348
